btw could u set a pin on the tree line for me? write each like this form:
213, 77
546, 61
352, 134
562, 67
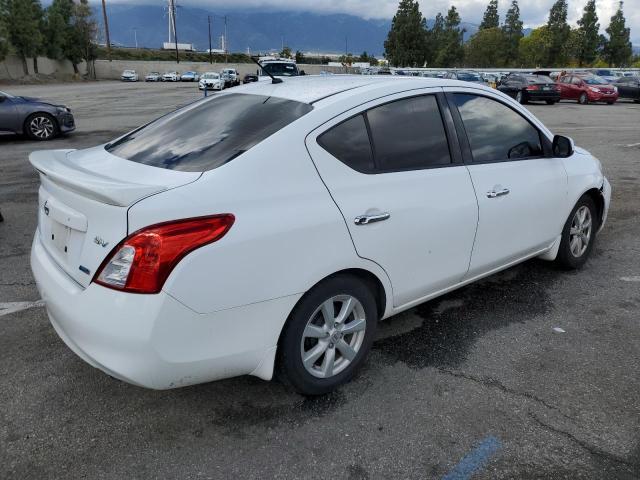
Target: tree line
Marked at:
410, 43
64, 30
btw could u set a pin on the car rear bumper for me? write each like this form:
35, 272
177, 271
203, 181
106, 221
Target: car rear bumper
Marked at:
544, 96
154, 341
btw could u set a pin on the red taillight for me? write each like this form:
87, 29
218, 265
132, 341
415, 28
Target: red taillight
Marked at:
532, 88
142, 262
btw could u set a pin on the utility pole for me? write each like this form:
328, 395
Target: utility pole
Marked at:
210, 52
106, 28
226, 42
135, 36
172, 8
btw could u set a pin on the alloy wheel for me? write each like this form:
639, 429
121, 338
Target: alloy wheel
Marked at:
41, 127
580, 232
333, 336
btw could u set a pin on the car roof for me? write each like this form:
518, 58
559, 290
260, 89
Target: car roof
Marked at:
312, 88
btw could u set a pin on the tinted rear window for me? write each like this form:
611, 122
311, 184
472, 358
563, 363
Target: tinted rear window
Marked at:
209, 134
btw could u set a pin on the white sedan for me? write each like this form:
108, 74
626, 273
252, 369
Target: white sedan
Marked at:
211, 81
270, 228
171, 77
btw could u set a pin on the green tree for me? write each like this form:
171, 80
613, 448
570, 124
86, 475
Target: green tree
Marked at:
617, 49
300, 58
433, 40
286, 52
533, 49
23, 20
83, 31
491, 19
512, 30
406, 41
57, 28
558, 34
4, 43
588, 36
485, 48
451, 51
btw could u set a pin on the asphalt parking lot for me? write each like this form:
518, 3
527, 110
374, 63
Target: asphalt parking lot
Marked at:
474, 381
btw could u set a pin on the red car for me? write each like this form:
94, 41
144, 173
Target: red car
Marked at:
586, 88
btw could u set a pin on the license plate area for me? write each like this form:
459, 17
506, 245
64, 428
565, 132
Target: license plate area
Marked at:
60, 237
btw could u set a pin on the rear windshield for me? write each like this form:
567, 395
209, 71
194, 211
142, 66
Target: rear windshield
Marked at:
468, 76
210, 134
538, 79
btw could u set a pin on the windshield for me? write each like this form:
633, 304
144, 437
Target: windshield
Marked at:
607, 73
469, 76
594, 80
208, 134
129, 72
210, 75
281, 69
154, 73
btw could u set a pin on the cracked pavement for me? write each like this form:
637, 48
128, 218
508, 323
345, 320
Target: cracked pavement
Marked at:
481, 361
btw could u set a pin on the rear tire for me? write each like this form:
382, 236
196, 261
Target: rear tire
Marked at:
583, 99
550, 102
578, 234
333, 327
521, 98
41, 127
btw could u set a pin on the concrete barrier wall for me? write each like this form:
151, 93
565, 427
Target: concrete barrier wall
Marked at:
106, 70
11, 68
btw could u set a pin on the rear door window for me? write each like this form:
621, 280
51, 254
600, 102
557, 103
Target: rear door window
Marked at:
349, 143
209, 134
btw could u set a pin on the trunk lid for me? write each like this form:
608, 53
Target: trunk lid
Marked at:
83, 201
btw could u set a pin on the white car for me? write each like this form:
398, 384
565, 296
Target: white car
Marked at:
273, 226
171, 77
129, 76
230, 77
152, 77
211, 81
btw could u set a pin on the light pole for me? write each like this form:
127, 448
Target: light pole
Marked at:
210, 52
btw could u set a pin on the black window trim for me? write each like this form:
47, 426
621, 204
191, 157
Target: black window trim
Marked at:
467, 154
448, 125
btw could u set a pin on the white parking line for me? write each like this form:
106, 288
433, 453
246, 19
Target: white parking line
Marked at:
12, 307
635, 278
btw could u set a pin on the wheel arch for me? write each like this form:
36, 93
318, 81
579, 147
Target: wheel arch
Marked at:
596, 195
31, 114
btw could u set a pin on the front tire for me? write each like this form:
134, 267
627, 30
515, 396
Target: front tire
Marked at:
521, 98
583, 99
578, 234
41, 127
328, 335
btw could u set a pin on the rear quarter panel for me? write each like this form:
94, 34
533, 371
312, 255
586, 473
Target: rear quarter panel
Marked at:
287, 236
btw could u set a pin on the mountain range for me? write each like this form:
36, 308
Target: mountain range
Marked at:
258, 30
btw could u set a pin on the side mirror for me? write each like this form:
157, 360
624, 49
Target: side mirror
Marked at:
302, 72
562, 146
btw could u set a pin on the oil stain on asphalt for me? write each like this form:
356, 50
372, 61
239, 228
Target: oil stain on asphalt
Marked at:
452, 324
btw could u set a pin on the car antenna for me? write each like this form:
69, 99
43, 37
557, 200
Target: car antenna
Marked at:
273, 79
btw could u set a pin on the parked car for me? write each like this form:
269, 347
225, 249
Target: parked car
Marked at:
629, 87
525, 88
34, 118
211, 81
171, 77
465, 76
250, 77
129, 76
189, 77
153, 77
609, 75
230, 77
214, 250
490, 79
586, 88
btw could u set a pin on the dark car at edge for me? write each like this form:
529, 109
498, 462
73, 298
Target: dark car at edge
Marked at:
34, 118
629, 87
530, 88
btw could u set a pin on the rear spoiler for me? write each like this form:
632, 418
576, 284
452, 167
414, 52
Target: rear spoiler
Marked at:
57, 168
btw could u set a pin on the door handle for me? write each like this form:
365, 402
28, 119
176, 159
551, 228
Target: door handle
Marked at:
499, 193
366, 219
